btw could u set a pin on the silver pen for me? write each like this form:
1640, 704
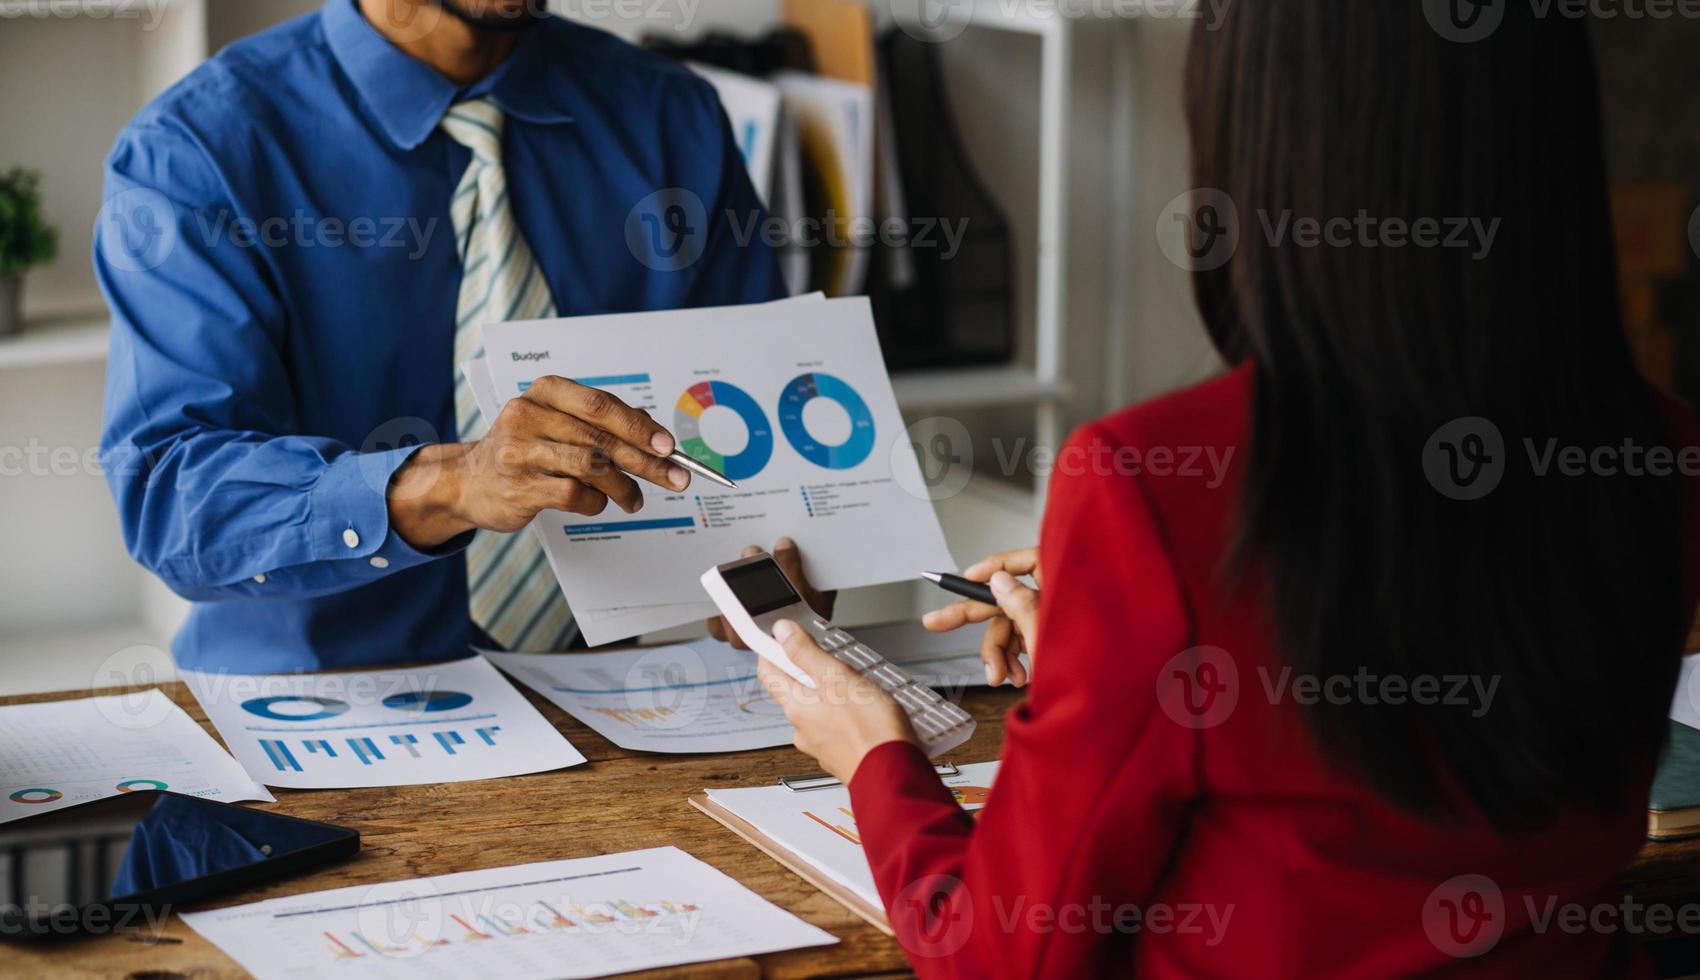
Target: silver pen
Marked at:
701, 469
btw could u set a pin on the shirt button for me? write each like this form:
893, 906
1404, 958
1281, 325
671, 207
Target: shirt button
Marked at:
260, 578
379, 561
350, 538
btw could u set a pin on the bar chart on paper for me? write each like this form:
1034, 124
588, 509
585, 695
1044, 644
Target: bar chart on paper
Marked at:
442, 723
698, 697
579, 918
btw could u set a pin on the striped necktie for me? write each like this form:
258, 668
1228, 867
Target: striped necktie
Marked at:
514, 595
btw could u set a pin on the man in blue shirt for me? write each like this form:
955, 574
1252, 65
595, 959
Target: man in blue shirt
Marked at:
301, 243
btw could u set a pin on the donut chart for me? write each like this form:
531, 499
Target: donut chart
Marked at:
36, 795
267, 707
428, 701
806, 388
133, 785
687, 426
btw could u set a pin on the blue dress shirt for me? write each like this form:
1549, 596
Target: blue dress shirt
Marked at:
281, 266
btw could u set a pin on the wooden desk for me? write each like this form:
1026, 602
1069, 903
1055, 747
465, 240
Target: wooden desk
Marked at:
621, 801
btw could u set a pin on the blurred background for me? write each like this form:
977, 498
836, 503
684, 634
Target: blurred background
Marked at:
1062, 127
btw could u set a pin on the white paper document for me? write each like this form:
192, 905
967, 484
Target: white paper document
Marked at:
57, 754
790, 399
818, 825
704, 696
1685, 705
588, 917
439, 723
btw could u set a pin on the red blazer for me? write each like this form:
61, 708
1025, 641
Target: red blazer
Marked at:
1137, 825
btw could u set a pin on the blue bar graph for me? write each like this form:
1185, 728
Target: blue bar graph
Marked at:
316, 745
489, 734
607, 527
408, 742
606, 380
279, 754
448, 740
365, 750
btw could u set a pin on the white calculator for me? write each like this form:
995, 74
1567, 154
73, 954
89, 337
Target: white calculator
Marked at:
753, 593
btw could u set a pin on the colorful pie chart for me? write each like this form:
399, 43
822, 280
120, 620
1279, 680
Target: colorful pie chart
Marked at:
804, 389
133, 785
687, 426
428, 701
36, 796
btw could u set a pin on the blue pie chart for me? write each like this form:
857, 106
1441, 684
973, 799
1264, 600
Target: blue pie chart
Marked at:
806, 388
316, 709
687, 427
428, 701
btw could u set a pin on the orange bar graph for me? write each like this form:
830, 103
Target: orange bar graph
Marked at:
839, 829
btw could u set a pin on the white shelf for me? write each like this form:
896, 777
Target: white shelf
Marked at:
975, 387
67, 340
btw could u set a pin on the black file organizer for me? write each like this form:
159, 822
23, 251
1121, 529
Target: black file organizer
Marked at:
952, 312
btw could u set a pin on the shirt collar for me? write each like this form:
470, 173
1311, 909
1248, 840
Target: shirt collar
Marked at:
409, 97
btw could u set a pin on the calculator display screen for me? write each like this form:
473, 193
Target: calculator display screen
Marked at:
761, 587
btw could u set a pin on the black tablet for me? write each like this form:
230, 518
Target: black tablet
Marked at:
125, 863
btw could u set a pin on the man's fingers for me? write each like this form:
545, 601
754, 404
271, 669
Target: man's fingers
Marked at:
750, 551
638, 462
589, 466
573, 496
604, 410
1018, 602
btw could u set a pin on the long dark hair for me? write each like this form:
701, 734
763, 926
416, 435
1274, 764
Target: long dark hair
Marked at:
1566, 591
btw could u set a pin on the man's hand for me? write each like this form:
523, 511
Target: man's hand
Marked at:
1013, 622
791, 563
560, 446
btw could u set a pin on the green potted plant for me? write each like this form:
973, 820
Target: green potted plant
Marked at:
25, 241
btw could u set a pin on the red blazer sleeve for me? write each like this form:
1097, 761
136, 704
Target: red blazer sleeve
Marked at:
1095, 778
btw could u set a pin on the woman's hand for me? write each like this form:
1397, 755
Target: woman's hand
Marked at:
1013, 622
843, 717
791, 563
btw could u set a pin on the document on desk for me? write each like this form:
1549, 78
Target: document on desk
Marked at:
438, 723
818, 826
704, 696
587, 917
56, 754
789, 399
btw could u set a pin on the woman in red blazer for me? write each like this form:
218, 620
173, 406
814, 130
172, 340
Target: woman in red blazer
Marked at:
1355, 660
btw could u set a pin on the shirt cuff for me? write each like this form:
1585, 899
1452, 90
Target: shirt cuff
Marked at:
351, 513
894, 774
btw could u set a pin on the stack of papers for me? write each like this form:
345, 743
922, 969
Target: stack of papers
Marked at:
439, 723
704, 696
57, 754
789, 399
819, 827
590, 917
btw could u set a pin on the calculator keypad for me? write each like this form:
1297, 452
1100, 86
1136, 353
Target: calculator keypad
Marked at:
941, 724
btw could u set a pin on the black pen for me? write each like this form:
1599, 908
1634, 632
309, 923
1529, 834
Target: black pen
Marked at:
966, 588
